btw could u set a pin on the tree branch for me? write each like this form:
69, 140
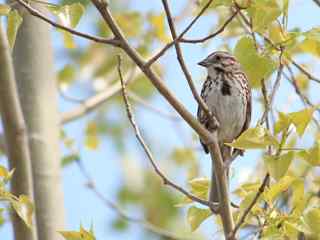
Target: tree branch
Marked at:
182, 63
38, 14
150, 107
294, 63
179, 38
165, 180
121, 213
95, 101
220, 30
254, 201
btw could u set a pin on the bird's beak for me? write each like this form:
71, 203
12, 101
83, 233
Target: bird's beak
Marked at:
204, 63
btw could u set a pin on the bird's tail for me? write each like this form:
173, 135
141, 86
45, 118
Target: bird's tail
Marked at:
214, 188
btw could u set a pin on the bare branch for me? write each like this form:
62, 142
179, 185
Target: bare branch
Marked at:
269, 102
278, 48
150, 107
95, 101
177, 39
121, 213
182, 63
254, 201
304, 71
211, 139
38, 14
165, 180
220, 30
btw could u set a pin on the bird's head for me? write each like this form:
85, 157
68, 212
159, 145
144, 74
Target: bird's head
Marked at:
220, 61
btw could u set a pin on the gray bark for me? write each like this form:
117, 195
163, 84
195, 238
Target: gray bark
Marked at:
16, 140
33, 61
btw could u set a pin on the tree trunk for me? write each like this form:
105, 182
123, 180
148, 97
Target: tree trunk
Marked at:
33, 61
16, 139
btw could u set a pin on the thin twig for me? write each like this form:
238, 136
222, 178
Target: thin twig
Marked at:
254, 201
302, 97
278, 79
269, 102
268, 40
220, 30
177, 39
150, 107
36, 13
183, 65
95, 101
317, 2
131, 118
121, 213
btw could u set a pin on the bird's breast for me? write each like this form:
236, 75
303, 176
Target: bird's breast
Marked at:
227, 102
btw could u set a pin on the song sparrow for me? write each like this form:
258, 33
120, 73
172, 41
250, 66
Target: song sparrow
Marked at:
227, 94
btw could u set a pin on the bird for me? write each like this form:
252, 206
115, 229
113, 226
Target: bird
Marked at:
227, 93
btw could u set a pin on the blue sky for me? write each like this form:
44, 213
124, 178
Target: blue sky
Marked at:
81, 205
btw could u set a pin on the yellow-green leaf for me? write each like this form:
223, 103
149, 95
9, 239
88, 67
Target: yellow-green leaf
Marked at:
312, 155
301, 119
92, 140
81, 235
24, 208
245, 203
4, 9
312, 219
70, 15
254, 138
282, 185
255, 65
5, 174
283, 123
258, 10
278, 166
196, 216
158, 23
298, 197
14, 22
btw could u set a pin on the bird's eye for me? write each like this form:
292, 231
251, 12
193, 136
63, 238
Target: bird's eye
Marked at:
218, 58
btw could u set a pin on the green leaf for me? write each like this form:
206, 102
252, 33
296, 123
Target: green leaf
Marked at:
283, 123
5, 174
255, 66
282, 185
70, 15
312, 219
196, 216
199, 187
81, 235
298, 197
248, 199
4, 9
312, 155
254, 138
279, 165
258, 10
92, 140
301, 119
183, 156
158, 23
67, 160
66, 74
131, 23
14, 22
24, 208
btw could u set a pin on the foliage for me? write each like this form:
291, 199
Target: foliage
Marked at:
22, 204
261, 43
